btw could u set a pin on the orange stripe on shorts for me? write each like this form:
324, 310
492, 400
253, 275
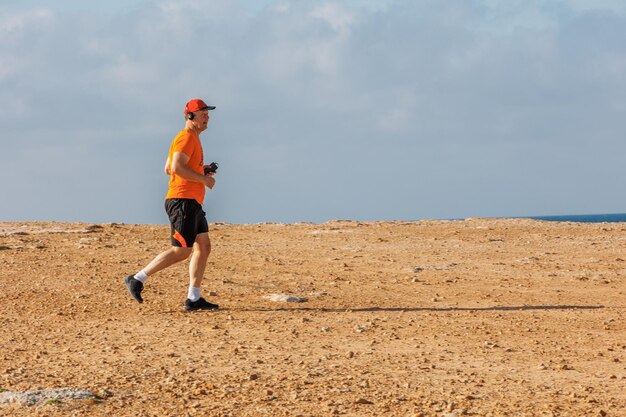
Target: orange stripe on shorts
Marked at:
180, 238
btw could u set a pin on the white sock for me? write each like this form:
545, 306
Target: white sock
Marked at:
193, 294
141, 276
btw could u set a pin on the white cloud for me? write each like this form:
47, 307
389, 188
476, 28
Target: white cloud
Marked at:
340, 19
15, 22
581, 6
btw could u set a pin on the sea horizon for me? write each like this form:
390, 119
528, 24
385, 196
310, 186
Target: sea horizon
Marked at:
571, 218
584, 218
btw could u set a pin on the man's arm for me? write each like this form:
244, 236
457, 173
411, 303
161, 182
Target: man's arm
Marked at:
179, 167
167, 168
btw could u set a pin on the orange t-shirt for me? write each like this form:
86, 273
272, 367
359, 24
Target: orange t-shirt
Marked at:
188, 143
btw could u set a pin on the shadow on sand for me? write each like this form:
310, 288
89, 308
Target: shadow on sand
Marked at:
432, 309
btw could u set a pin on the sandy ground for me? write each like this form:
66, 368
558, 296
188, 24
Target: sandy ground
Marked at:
433, 318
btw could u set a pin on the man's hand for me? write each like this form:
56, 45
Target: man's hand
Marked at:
209, 181
212, 167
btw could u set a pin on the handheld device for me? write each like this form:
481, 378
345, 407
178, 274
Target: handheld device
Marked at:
212, 167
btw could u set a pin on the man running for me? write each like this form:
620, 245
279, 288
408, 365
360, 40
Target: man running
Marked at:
183, 204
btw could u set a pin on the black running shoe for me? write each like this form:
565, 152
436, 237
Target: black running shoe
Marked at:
135, 287
201, 304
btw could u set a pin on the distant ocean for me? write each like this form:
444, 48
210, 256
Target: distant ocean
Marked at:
584, 218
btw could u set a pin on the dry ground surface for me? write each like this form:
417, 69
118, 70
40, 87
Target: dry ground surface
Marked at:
480, 317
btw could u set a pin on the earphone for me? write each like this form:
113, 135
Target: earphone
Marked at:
190, 116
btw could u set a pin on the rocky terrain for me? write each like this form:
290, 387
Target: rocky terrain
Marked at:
482, 317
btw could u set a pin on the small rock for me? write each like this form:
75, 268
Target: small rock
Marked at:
253, 377
285, 298
363, 401
104, 393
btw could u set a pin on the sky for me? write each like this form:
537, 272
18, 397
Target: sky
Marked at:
359, 110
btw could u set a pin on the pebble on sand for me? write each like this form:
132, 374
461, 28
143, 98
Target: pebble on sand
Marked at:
285, 298
363, 401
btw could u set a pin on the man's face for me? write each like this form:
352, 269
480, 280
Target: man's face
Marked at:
201, 120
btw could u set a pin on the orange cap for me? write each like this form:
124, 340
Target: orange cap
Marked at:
196, 105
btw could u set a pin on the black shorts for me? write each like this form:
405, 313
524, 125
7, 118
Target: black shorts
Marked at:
187, 219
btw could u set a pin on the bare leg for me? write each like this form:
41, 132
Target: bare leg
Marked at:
197, 265
167, 258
